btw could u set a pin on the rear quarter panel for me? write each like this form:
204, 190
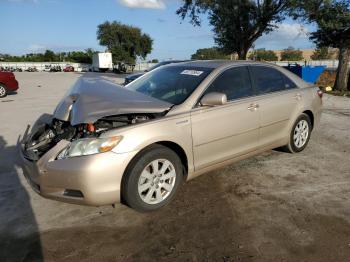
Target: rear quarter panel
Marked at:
312, 102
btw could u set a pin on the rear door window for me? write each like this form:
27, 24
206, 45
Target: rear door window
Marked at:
267, 79
234, 82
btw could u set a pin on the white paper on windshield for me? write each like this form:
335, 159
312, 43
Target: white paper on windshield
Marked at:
191, 72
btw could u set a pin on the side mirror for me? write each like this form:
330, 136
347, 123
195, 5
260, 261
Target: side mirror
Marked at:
214, 99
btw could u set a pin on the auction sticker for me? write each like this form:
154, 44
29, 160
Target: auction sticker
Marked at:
191, 72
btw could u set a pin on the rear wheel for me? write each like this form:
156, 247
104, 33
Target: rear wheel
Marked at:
152, 179
3, 91
300, 134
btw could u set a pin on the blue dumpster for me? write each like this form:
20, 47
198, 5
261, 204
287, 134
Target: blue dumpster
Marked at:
307, 73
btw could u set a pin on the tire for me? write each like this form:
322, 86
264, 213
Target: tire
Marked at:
143, 189
299, 139
3, 91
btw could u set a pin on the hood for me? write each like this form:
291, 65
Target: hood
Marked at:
92, 98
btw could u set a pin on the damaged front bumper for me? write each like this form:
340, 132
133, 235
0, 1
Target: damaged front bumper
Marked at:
87, 180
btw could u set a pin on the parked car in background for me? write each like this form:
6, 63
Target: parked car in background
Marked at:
55, 68
8, 83
68, 68
132, 77
136, 144
11, 69
47, 68
31, 69
85, 69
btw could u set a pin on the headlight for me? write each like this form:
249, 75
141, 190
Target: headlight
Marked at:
89, 146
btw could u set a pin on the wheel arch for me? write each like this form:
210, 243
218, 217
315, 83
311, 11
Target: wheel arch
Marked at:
5, 87
179, 151
169, 144
311, 116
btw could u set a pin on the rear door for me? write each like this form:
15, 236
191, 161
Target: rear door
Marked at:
278, 98
223, 132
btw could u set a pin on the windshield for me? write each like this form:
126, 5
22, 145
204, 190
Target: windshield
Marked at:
172, 84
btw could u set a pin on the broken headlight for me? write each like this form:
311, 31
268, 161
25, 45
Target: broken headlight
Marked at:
89, 146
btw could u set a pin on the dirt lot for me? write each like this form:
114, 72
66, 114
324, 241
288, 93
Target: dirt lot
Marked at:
273, 207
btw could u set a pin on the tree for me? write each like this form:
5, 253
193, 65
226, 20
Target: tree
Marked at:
264, 55
89, 53
80, 57
125, 42
237, 24
50, 56
333, 30
154, 61
320, 54
208, 54
291, 54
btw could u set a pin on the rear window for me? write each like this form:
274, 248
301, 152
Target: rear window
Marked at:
173, 84
267, 79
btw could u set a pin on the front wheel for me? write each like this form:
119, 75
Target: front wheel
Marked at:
300, 134
152, 179
3, 91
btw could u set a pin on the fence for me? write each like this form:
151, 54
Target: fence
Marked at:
41, 65
327, 63
142, 66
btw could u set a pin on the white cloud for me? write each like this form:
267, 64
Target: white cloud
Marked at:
151, 4
285, 35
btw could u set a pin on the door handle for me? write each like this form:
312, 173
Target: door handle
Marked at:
297, 96
253, 107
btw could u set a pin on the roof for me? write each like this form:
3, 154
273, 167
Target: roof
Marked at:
226, 63
218, 63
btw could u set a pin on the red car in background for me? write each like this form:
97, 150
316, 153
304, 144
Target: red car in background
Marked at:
8, 83
68, 69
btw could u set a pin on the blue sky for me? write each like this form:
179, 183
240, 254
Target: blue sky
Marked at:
67, 25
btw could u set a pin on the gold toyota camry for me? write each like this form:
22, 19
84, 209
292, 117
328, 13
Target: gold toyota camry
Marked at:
106, 144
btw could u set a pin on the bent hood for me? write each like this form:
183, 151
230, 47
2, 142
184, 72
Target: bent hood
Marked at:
92, 98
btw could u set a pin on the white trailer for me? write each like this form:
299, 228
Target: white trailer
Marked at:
102, 62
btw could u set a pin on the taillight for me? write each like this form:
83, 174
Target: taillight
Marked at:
320, 93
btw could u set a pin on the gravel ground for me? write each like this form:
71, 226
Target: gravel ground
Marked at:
272, 207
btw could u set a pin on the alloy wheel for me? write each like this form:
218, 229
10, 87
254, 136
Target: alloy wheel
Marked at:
157, 181
301, 133
2, 91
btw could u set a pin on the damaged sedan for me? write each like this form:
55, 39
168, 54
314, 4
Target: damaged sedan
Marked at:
106, 144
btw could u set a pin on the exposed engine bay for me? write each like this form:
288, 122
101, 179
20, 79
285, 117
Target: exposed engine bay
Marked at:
46, 134
91, 107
